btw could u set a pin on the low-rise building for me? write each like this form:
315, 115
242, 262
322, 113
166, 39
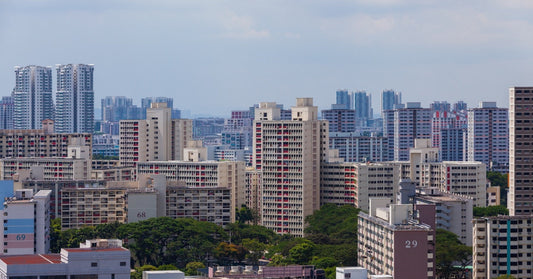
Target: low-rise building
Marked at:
101, 261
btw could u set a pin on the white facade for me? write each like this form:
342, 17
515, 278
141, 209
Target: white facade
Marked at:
351, 273
94, 263
488, 136
158, 138
32, 97
74, 99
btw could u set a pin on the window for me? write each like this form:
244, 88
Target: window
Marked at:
94, 264
122, 263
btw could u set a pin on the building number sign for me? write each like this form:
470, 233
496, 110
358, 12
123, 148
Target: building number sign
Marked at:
411, 243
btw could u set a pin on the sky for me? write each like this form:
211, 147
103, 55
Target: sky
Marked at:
215, 56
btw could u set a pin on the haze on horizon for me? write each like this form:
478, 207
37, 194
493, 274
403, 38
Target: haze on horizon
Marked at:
217, 56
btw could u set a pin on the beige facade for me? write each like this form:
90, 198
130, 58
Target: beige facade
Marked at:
203, 204
212, 174
90, 207
252, 192
158, 138
502, 245
520, 151
289, 154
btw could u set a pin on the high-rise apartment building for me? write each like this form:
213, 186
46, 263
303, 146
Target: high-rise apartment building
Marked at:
158, 138
488, 136
354, 147
340, 120
32, 97
289, 153
74, 99
390, 98
403, 125
520, 151
6, 113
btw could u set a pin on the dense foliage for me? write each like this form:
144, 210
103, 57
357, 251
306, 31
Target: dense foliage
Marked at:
159, 243
494, 210
502, 180
449, 254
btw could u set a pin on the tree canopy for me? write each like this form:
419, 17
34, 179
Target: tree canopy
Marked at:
493, 210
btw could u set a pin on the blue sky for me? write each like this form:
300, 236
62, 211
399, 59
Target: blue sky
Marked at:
216, 56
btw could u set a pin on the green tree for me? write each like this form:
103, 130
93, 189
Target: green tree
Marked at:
302, 253
255, 249
192, 268
450, 252
333, 224
506, 276
493, 210
138, 273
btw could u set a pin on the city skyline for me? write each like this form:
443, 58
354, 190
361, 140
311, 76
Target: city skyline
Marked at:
230, 54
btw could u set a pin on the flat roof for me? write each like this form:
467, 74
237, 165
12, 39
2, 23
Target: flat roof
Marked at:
31, 259
79, 250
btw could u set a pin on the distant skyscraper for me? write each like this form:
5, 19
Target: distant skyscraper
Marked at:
118, 108
488, 136
32, 97
6, 113
440, 106
363, 107
389, 98
460, 106
75, 99
344, 98
520, 151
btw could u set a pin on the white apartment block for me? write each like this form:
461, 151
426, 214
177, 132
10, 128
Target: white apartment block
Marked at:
356, 148
502, 245
75, 98
25, 221
40, 143
32, 97
158, 138
453, 212
488, 136
47, 168
289, 154
410, 123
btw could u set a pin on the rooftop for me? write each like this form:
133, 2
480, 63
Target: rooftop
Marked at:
31, 259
